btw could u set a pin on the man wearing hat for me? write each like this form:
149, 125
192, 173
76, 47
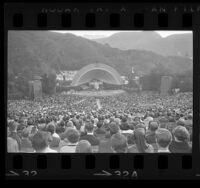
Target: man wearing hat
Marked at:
180, 144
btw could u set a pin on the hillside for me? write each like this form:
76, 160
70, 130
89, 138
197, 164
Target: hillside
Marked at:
173, 45
38, 52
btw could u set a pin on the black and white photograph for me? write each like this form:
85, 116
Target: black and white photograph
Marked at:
109, 91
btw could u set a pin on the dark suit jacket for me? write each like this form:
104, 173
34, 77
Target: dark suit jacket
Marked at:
90, 138
124, 126
105, 146
26, 145
180, 147
134, 149
99, 133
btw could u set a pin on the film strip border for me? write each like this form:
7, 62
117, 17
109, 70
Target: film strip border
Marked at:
113, 17
97, 16
91, 20
65, 166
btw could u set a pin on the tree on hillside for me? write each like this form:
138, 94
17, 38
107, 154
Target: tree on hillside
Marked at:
152, 81
45, 83
49, 83
52, 83
183, 81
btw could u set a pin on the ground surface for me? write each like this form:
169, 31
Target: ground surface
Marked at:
99, 93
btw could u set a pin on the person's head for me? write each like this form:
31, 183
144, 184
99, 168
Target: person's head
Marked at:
163, 121
180, 122
181, 134
69, 124
25, 133
51, 128
13, 126
137, 119
77, 116
153, 126
140, 125
72, 135
89, 127
83, 147
62, 123
112, 119
139, 137
40, 141
114, 128
29, 122
124, 119
34, 130
163, 138
119, 143
99, 124
190, 116
42, 127
117, 121
95, 121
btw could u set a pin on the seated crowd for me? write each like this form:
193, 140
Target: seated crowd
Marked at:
125, 123
79, 133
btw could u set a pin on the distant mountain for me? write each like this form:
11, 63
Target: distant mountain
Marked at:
173, 45
38, 52
93, 36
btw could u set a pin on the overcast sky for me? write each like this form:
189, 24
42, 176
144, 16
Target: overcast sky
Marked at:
100, 34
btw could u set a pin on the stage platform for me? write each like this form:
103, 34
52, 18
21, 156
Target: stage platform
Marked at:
98, 93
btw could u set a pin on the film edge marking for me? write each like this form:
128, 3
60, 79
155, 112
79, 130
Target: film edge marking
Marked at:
103, 173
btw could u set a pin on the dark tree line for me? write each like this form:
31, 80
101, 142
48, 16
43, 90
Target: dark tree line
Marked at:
49, 83
18, 85
152, 81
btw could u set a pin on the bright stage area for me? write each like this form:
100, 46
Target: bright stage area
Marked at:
98, 93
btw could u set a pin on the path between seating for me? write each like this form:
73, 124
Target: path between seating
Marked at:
98, 103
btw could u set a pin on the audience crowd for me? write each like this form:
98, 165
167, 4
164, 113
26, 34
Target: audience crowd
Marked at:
141, 122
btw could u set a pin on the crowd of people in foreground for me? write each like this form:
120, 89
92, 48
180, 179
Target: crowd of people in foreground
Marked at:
127, 123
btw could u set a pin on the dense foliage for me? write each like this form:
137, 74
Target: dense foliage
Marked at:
33, 53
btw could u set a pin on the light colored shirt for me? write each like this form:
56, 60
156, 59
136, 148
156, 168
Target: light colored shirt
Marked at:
56, 135
127, 131
12, 145
90, 133
47, 150
70, 148
163, 150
